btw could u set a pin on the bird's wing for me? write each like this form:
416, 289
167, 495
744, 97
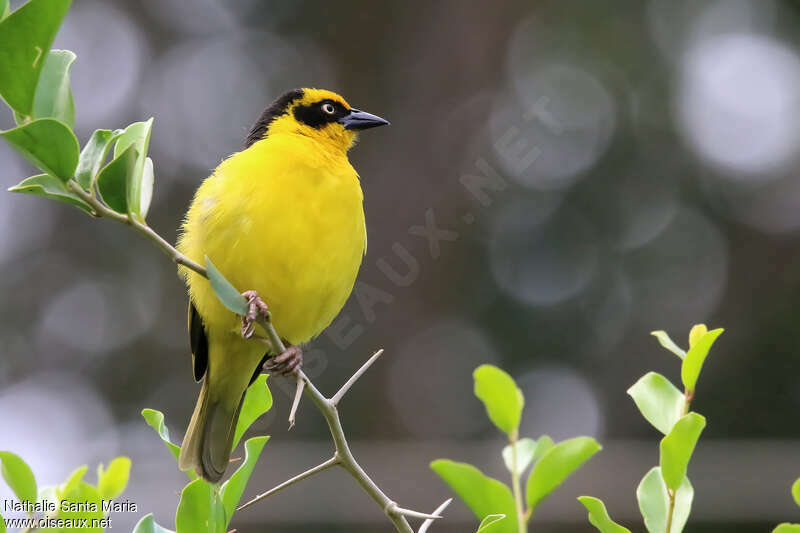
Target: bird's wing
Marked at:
198, 342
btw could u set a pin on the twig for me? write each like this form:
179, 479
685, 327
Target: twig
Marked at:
299, 477
671, 511
301, 385
394, 509
427, 523
338, 396
101, 210
521, 512
343, 456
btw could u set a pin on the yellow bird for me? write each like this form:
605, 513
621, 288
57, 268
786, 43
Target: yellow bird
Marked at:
283, 219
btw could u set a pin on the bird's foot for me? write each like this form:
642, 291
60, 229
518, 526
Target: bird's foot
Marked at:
255, 308
285, 363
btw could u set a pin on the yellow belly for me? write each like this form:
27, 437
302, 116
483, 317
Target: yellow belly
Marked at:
285, 218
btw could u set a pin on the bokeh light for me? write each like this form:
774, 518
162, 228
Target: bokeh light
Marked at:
737, 102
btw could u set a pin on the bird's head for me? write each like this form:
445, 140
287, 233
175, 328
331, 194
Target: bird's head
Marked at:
316, 113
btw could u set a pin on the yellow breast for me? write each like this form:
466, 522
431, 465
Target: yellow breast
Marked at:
285, 218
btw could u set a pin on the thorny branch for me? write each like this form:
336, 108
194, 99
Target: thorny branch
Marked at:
342, 457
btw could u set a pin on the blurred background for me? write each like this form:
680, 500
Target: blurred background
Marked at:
595, 170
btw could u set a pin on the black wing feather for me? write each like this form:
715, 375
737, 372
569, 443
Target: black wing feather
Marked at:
198, 342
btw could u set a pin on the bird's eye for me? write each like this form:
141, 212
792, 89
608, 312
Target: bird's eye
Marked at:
328, 108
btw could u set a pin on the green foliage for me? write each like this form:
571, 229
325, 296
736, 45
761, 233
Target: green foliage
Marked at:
3, 522
93, 156
659, 401
200, 509
525, 451
787, 527
155, 419
487, 522
501, 396
696, 356
209, 507
50, 187
484, 495
53, 97
552, 463
257, 401
677, 448
112, 181
668, 343
75, 508
113, 480
73, 500
232, 490
796, 491
27, 34
782, 528
139, 182
665, 494
18, 476
598, 516
654, 502
225, 291
556, 466
148, 525
48, 144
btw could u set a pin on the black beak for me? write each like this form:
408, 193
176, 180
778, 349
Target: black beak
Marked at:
361, 120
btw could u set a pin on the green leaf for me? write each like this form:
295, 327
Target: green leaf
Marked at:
82, 502
526, 448
782, 528
155, 419
556, 465
71, 484
200, 509
667, 343
483, 495
49, 187
654, 502
796, 491
5, 9
18, 476
677, 448
543, 446
146, 187
227, 293
93, 156
696, 333
489, 521
598, 516
138, 135
111, 482
499, 393
3, 522
257, 401
47, 143
53, 98
112, 181
233, 489
690, 369
148, 525
27, 34
659, 401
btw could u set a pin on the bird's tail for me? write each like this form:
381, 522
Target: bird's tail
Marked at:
206, 447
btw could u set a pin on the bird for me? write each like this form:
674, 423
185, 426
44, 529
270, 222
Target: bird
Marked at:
283, 218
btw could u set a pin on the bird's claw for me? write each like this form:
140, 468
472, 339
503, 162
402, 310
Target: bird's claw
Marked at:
285, 363
255, 307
